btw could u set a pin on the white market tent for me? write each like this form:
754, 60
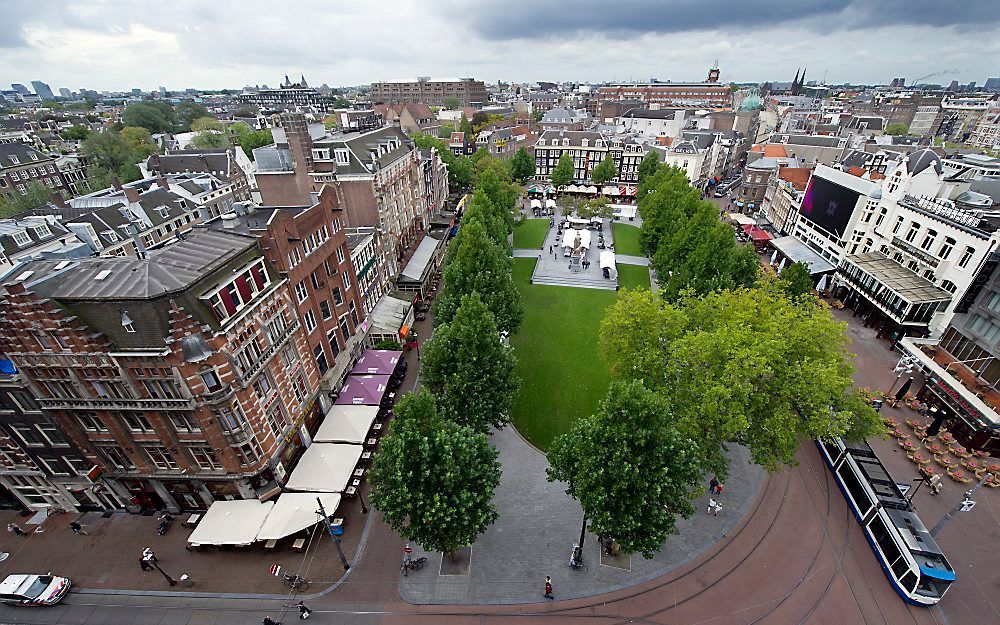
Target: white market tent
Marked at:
743, 220
569, 238
607, 260
611, 190
571, 188
576, 221
585, 239
325, 468
231, 522
624, 211
536, 203
550, 203
296, 511
346, 424
590, 189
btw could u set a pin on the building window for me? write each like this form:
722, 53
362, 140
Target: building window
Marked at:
912, 233
42, 231
161, 458
91, 422
334, 342
231, 419
24, 400
137, 422
310, 321
344, 327
340, 254
249, 453
946, 248
184, 423
320, 355
301, 293
347, 282
52, 434
881, 216
276, 419
984, 327
116, 457
338, 298
354, 314
29, 435
53, 466
949, 286
324, 309
205, 458
211, 380
966, 256
262, 385
928, 240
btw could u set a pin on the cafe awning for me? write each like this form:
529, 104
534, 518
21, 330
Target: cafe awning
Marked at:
624, 211
417, 269
231, 522
294, 512
363, 390
346, 424
325, 468
798, 252
377, 362
743, 220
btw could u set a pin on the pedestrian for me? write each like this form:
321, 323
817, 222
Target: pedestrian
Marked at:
304, 612
76, 527
717, 508
711, 505
718, 490
145, 566
712, 485
548, 588
550, 249
11, 527
269, 621
922, 409
148, 555
935, 483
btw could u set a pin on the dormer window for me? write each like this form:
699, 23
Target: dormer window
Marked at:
565, 142
342, 156
13, 159
33, 156
21, 238
585, 143
42, 231
541, 142
598, 144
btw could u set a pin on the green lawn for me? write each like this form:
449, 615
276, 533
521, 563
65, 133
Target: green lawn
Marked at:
562, 375
626, 239
633, 276
531, 234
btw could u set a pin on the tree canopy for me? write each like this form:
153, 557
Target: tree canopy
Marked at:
563, 173
35, 196
522, 166
77, 132
631, 470
461, 173
795, 280
452, 103
469, 370
140, 140
606, 171
112, 155
434, 479
897, 129
186, 113
648, 165
156, 117
748, 365
479, 265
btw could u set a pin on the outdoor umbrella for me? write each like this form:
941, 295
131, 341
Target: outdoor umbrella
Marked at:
782, 265
774, 257
939, 417
822, 283
902, 389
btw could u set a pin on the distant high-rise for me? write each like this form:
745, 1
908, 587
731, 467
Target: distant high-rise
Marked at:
18, 87
42, 90
65, 93
992, 84
137, 92
163, 89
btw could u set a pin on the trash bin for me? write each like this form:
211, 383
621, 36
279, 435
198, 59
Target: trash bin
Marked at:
186, 581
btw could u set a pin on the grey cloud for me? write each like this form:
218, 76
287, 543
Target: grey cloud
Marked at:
515, 19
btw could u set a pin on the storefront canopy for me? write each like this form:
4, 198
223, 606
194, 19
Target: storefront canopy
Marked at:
231, 522
756, 233
624, 211
798, 252
743, 220
346, 424
417, 269
377, 362
536, 203
294, 512
363, 390
325, 468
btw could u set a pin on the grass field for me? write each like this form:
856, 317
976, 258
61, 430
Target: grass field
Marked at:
531, 234
562, 375
632, 276
626, 239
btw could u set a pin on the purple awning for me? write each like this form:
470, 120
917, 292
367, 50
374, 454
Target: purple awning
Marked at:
363, 390
377, 362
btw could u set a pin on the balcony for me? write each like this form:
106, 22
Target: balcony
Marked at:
266, 354
112, 403
912, 250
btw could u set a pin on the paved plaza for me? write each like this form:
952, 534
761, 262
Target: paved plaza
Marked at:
538, 525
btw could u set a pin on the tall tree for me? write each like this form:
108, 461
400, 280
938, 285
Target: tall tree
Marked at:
648, 165
522, 166
748, 366
563, 174
495, 182
207, 122
140, 140
464, 125
631, 470
434, 479
452, 103
155, 117
112, 156
480, 265
444, 132
78, 132
897, 129
626, 328
186, 113
468, 368
795, 280
36, 195
606, 171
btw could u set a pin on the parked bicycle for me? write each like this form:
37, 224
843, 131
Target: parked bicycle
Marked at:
295, 582
412, 564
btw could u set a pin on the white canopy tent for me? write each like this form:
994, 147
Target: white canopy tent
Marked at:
294, 512
346, 424
624, 211
571, 188
550, 203
584, 239
231, 522
569, 238
611, 190
325, 468
607, 260
590, 189
576, 221
743, 220
536, 203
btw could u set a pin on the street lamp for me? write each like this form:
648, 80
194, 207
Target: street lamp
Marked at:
333, 533
170, 580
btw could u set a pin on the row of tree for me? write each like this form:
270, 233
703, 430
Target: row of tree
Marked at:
435, 476
725, 354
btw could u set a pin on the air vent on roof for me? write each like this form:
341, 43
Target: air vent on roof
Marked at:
103, 274
25, 275
63, 264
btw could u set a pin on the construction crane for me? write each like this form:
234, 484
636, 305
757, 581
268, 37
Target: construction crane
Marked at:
941, 73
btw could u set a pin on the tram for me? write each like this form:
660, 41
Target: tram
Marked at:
909, 556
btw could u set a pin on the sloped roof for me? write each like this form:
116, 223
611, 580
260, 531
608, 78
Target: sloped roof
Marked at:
797, 176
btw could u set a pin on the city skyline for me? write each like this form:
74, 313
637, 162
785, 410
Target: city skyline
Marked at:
117, 46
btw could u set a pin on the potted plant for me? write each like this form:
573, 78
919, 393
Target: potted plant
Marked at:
959, 476
944, 461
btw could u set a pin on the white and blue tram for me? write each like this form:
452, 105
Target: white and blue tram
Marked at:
909, 556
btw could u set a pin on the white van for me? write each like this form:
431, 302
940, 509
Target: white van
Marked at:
33, 589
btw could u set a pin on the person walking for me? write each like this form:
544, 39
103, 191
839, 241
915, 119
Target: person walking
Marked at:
711, 505
712, 485
12, 527
76, 527
922, 409
550, 249
718, 490
148, 555
717, 508
304, 612
548, 588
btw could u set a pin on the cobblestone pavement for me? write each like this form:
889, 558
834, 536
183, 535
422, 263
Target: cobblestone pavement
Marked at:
538, 525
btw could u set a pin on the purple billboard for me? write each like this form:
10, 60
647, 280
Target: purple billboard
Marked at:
828, 205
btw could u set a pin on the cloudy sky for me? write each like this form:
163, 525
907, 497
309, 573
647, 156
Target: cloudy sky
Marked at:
119, 44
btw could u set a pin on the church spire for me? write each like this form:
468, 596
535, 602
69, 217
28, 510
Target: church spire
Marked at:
795, 82
302, 80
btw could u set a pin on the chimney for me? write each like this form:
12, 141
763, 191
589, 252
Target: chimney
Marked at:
116, 183
132, 194
160, 180
58, 199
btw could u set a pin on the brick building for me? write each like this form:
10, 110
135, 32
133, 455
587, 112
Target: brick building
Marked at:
710, 94
21, 164
588, 149
430, 91
185, 375
228, 165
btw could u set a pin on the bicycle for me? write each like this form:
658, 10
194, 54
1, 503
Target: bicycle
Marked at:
412, 564
295, 582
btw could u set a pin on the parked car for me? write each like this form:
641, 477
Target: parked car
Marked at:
45, 589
